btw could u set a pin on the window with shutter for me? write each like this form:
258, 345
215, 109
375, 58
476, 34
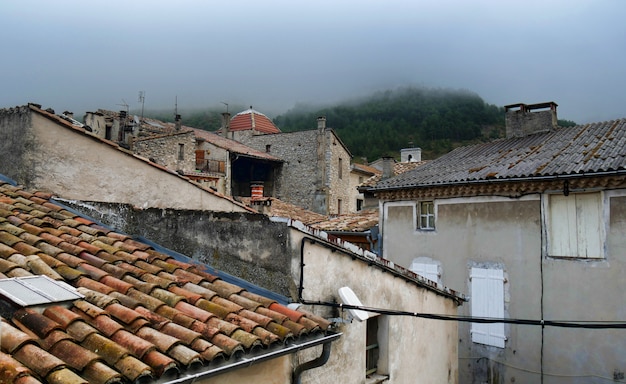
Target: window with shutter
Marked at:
574, 225
487, 301
429, 271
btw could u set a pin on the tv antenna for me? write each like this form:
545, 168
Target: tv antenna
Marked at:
142, 98
226, 104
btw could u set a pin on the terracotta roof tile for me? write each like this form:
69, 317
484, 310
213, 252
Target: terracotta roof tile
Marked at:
251, 119
144, 316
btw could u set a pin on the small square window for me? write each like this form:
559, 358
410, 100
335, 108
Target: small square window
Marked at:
427, 215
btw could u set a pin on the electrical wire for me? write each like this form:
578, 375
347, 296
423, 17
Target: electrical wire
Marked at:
540, 372
484, 320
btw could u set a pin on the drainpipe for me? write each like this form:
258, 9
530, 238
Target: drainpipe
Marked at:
317, 362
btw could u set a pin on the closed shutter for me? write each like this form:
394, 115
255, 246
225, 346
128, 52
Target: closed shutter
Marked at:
429, 271
487, 300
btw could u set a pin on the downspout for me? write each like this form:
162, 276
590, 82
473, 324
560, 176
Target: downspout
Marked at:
317, 362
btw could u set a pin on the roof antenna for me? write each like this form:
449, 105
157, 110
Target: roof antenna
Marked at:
226, 104
142, 98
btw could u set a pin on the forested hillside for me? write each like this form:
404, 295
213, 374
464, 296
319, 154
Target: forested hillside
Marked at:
435, 120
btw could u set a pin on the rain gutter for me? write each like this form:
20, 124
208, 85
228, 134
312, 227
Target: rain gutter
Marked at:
246, 362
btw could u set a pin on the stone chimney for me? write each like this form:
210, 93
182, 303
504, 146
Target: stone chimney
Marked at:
388, 163
524, 119
225, 123
177, 122
321, 123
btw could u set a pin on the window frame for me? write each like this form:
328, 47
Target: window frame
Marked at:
428, 216
575, 239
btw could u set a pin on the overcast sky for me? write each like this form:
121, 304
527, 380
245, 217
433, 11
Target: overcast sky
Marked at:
84, 55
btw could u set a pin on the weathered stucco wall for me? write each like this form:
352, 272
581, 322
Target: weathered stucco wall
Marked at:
418, 350
508, 233
41, 154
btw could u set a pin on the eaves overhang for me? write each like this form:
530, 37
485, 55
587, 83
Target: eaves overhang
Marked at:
537, 178
248, 361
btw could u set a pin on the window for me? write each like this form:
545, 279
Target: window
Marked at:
429, 271
268, 147
339, 206
340, 168
359, 204
574, 225
487, 300
181, 151
427, 215
371, 346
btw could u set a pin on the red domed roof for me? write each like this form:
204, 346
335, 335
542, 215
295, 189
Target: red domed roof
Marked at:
251, 119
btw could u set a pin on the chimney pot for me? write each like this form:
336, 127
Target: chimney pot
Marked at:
256, 188
321, 122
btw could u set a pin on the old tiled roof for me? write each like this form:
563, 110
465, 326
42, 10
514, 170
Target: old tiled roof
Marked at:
274, 207
354, 222
365, 169
596, 148
145, 315
232, 145
398, 168
252, 119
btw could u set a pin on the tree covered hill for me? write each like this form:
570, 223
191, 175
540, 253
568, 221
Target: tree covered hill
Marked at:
435, 120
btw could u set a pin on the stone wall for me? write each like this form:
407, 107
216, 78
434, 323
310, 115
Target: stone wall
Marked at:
310, 176
297, 184
17, 140
246, 245
338, 180
166, 150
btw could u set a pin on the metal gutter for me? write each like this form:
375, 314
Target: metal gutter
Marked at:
250, 361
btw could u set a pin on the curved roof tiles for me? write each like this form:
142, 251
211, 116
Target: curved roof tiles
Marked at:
251, 119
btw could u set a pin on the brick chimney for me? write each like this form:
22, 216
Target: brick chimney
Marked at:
527, 119
225, 123
256, 189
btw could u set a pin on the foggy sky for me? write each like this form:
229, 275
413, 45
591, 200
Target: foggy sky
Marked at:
273, 54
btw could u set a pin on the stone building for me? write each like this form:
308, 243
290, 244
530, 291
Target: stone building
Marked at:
316, 174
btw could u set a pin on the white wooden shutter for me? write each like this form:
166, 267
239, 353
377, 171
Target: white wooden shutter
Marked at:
429, 271
575, 225
487, 300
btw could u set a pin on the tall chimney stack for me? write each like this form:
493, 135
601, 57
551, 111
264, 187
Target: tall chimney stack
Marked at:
177, 122
388, 163
225, 123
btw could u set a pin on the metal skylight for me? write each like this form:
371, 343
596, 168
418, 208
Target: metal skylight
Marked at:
37, 290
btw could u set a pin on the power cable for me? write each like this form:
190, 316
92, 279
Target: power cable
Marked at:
484, 320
